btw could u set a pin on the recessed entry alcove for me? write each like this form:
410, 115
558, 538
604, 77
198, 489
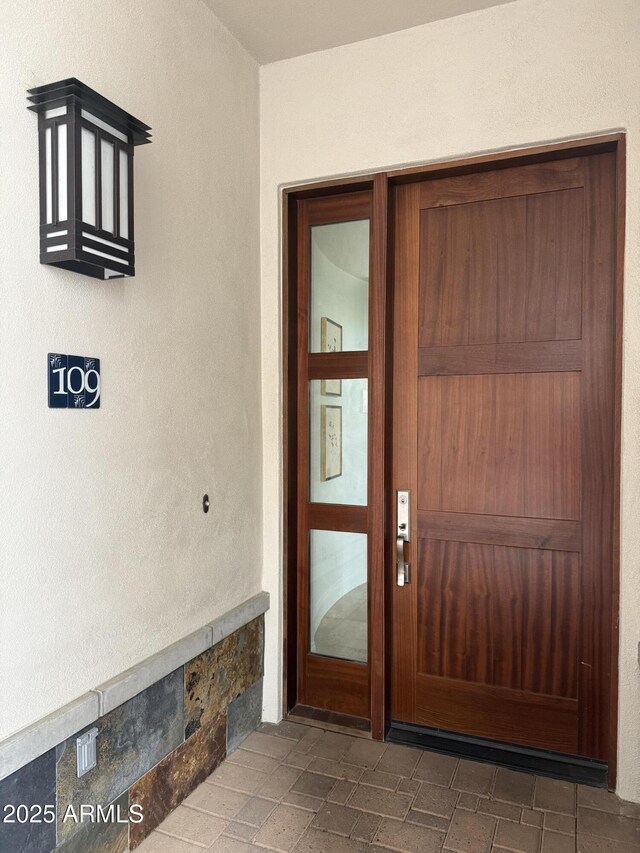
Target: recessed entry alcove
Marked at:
452, 382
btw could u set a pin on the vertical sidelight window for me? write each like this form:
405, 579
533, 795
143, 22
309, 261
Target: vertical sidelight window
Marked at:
333, 453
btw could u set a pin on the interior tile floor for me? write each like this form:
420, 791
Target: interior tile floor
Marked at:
342, 632
299, 789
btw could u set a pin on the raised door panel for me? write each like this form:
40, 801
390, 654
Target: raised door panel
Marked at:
500, 444
500, 616
502, 271
554, 248
515, 716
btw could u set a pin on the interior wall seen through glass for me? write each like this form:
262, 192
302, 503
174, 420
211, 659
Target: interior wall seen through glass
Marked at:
338, 589
339, 287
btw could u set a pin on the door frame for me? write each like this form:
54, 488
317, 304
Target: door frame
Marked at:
382, 184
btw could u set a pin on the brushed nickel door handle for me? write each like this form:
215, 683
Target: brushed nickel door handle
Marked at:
403, 573
403, 569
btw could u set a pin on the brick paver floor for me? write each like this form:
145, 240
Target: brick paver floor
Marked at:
300, 789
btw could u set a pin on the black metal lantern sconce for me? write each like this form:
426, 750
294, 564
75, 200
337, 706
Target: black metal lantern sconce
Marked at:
86, 147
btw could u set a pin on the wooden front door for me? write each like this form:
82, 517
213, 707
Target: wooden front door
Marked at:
503, 431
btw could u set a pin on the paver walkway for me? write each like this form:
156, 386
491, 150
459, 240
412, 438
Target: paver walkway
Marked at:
300, 789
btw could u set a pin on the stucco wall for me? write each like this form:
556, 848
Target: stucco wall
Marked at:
105, 553
527, 72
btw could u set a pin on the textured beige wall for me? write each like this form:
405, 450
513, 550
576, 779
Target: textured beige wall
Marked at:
105, 554
523, 73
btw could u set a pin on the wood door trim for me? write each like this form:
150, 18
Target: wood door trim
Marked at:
346, 681
341, 517
500, 530
405, 431
336, 365
430, 170
387, 182
378, 452
339, 208
597, 395
501, 184
302, 470
580, 147
621, 178
500, 358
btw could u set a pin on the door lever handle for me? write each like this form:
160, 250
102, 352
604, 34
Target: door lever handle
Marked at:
403, 569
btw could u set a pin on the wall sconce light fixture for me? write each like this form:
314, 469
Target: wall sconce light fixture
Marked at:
86, 179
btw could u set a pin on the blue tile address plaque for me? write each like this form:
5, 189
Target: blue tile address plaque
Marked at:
74, 381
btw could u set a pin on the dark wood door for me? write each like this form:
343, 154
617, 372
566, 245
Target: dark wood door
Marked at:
503, 424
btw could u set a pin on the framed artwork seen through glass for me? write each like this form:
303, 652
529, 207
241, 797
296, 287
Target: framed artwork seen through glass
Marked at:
330, 442
330, 341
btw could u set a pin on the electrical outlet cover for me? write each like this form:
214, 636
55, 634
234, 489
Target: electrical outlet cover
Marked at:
86, 750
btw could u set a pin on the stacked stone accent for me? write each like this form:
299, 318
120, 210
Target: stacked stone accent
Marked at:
153, 751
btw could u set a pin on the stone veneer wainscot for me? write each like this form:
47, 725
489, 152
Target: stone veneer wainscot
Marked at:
153, 750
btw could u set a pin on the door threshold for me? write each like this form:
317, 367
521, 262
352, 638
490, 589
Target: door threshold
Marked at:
543, 762
330, 720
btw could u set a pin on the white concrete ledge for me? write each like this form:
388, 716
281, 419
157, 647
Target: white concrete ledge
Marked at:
226, 624
32, 742
128, 684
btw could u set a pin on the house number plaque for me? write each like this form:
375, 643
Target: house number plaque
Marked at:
74, 381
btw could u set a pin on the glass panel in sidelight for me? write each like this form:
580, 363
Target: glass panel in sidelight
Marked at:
338, 591
339, 287
338, 441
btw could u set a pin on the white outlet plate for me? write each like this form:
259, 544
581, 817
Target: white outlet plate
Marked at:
86, 752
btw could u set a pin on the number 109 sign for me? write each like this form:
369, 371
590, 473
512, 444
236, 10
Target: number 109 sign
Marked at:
74, 382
